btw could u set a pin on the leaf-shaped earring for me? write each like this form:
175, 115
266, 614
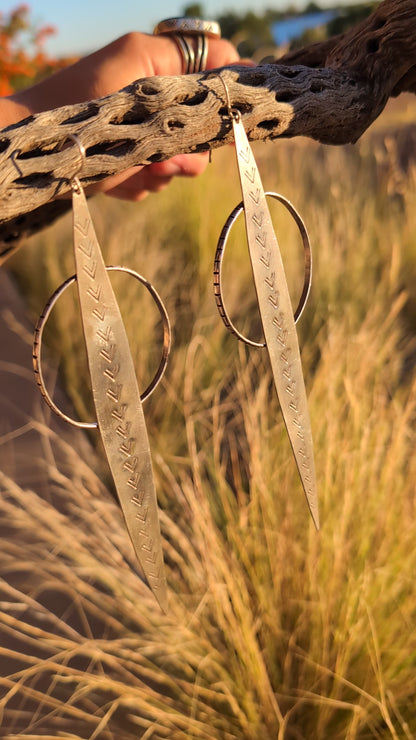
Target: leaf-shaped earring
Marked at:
278, 320
118, 404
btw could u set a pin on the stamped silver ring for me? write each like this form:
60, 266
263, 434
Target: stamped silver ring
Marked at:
218, 292
191, 36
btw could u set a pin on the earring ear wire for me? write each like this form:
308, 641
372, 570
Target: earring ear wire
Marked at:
13, 158
82, 153
77, 142
227, 92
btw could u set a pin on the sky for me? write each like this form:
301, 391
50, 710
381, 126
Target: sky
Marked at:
85, 25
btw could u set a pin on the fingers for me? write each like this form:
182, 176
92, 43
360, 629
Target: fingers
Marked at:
136, 55
184, 165
132, 56
134, 184
160, 55
221, 53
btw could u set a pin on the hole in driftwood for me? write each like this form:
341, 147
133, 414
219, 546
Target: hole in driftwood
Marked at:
112, 148
286, 96
21, 123
243, 107
36, 179
254, 80
84, 115
128, 120
172, 125
147, 89
317, 87
373, 46
4, 144
94, 178
134, 116
197, 99
289, 73
269, 124
158, 157
38, 152
379, 23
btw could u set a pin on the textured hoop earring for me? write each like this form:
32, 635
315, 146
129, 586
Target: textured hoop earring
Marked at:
38, 340
274, 302
116, 396
219, 254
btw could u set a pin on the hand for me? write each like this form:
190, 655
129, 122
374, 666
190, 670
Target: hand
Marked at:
133, 56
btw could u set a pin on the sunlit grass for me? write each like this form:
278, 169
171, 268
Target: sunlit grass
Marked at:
274, 631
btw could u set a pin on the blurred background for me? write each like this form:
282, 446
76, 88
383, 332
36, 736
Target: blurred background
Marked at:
68, 30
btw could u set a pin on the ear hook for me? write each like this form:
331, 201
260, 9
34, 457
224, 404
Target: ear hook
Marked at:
82, 153
74, 138
232, 112
12, 157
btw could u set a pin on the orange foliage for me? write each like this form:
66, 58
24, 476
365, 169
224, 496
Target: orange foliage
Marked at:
23, 59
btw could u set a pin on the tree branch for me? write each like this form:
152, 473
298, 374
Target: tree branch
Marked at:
331, 92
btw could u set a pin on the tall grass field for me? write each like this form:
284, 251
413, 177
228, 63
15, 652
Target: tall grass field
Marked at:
274, 631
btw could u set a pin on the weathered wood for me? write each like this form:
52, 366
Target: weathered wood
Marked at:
330, 92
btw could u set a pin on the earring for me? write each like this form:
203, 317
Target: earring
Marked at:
275, 307
118, 404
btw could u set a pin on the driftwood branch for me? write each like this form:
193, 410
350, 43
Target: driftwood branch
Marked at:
330, 91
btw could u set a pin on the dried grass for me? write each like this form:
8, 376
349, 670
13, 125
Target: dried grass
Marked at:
273, 631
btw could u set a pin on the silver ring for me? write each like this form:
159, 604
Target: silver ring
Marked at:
185, 32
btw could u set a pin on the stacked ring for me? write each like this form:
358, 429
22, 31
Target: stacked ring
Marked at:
185, 31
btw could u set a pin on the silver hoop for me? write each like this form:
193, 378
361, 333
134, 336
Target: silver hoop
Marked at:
37, 344
184, 31
222, 241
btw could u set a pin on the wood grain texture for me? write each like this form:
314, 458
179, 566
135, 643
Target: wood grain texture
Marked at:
330, 91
